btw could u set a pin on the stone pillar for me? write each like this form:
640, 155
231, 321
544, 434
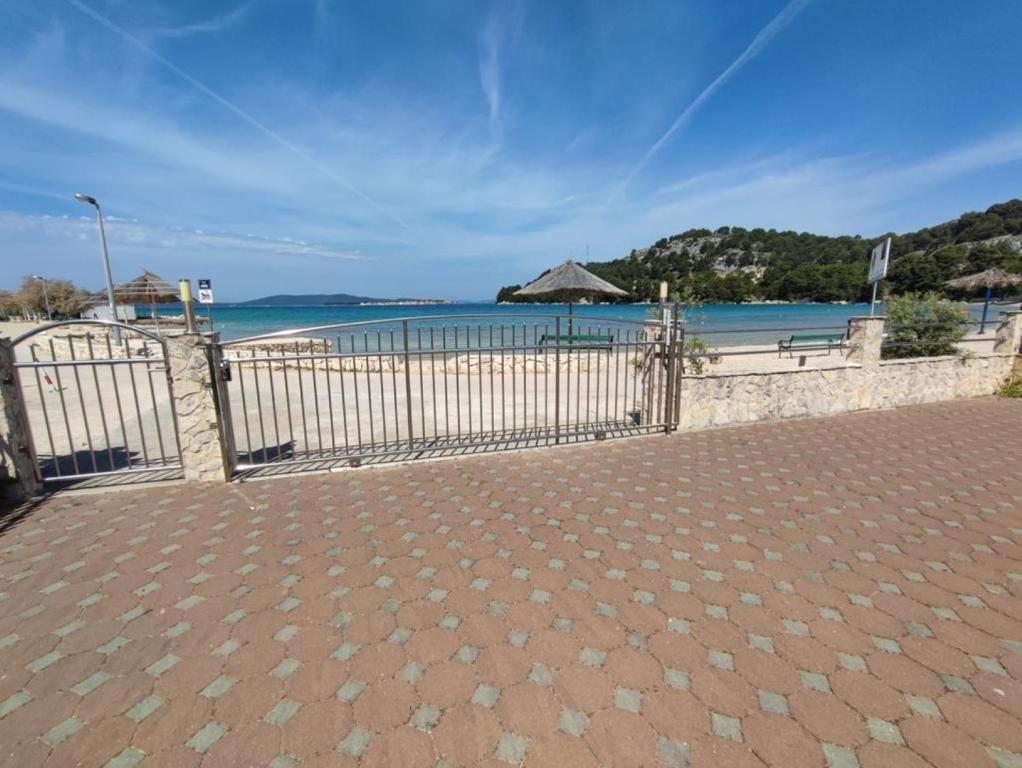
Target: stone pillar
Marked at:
1008, 340
865, 335
192, 391
17, 455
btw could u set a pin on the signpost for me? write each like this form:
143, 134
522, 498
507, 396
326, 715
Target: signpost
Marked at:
878, 261
206, 297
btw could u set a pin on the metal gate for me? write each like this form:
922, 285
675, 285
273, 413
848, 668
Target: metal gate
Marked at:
98, 400
409, 388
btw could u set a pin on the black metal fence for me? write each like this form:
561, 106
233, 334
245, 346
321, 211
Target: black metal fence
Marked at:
386, 391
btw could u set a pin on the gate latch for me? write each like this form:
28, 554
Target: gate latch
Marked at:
225, 370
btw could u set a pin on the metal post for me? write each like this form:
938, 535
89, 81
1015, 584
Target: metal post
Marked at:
873, 302
185, 289
986, 306
46, 296
109, 277
88, 200
557, 380
408, 384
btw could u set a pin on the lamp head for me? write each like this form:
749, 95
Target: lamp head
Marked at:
86, 199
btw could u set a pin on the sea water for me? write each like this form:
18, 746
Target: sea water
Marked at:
721, 324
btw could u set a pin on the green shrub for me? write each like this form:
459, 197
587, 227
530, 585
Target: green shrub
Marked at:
922, 325
1012, 387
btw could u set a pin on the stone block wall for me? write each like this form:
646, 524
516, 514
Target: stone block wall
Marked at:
867, 382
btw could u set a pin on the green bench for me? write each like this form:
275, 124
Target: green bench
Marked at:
810, 341
579, 340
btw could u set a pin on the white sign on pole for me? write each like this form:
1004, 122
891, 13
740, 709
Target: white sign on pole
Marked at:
878, 261
205, 292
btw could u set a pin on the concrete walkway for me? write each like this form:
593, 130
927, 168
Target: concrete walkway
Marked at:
839, 592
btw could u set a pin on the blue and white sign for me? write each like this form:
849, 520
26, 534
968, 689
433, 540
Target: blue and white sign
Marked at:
205, 291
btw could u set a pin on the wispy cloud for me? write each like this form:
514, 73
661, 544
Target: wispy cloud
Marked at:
759, 42
209, 26
236, 110
133, 233
489, 69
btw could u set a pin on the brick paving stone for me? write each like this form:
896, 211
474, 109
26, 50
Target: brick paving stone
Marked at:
615, 603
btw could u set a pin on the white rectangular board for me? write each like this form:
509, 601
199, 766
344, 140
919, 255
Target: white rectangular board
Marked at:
878, 261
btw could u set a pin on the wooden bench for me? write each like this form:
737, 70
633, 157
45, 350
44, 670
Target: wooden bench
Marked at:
579, 340
810, 341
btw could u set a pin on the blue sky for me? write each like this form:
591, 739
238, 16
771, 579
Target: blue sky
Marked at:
443, 148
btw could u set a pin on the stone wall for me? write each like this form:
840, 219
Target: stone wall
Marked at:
864, 381
719, 400
202, 453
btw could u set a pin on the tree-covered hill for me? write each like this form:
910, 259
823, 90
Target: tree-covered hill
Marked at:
732, 264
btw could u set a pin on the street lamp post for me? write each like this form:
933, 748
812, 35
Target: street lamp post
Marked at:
106, 261
46, 295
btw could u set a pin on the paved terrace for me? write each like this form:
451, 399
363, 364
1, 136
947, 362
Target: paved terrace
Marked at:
836, 592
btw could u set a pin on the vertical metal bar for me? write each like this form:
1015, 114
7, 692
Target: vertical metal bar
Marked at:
173, 411
244, 406
354, 383
46, 416
422, 386
369, 390
617, 377
259, 402
503, 390
535, 382
493, 409
514, 378
669, 388
468, 382
567, 378
287, 400
589, 381
606, 385
315, 396
344, 396
327, 359
63, 408
138, 412
408, 385
117, 399
81, 404
152, 399
393, 389
447, 406
479, 357
301, 396
383, 396
432, 379
596, 403
578, 383
273, 407
557, 381
99, 399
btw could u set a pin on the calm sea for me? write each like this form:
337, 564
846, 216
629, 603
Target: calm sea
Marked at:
725, 323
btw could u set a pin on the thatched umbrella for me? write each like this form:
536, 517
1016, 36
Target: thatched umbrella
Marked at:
987, 279
574, 282
147, 288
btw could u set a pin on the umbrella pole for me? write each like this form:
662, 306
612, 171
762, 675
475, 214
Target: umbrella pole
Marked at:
156, 318
986, 306
570, 314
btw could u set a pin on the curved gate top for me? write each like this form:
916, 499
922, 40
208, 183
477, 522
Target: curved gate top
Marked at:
409, 388
98, 401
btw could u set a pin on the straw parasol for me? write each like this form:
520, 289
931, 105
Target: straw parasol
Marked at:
574, 282
147, 288
987, 279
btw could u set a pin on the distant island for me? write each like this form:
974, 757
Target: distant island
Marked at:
331, 300
732, 265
